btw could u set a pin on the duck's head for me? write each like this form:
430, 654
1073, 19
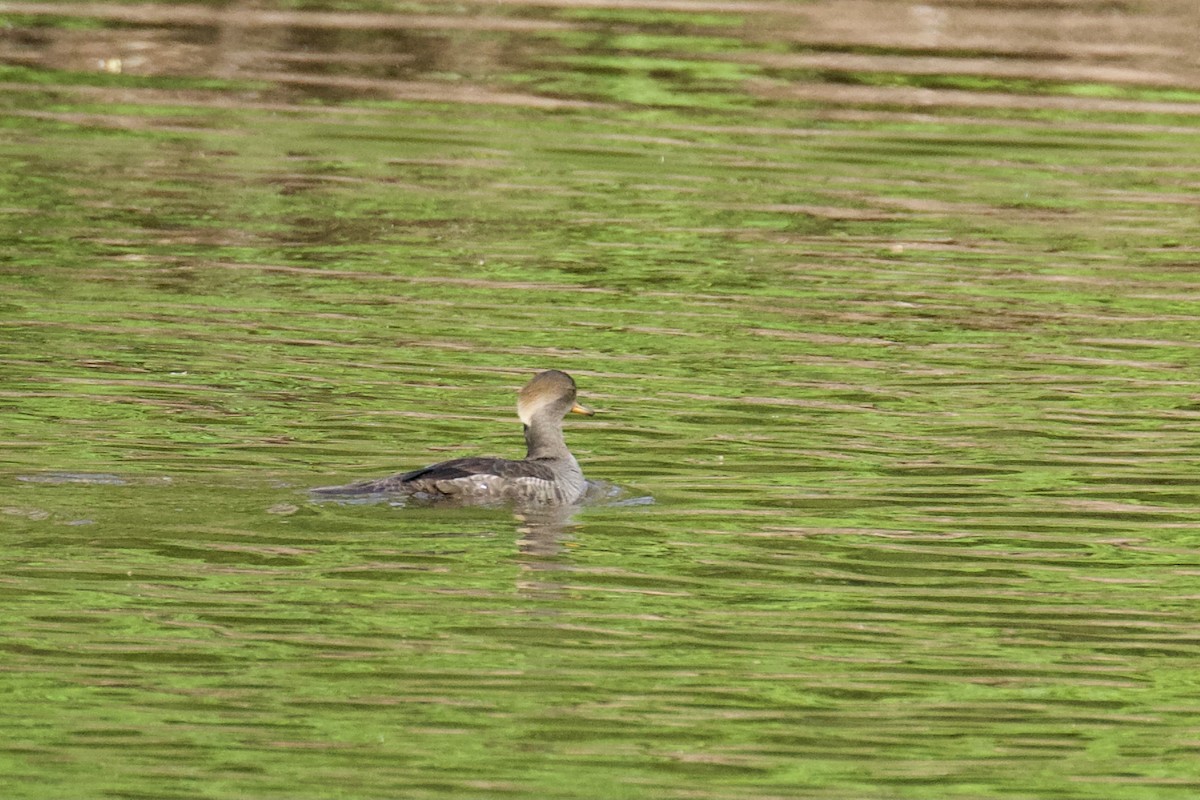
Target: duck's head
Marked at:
550, 392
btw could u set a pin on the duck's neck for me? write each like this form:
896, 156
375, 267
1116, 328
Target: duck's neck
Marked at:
544, 438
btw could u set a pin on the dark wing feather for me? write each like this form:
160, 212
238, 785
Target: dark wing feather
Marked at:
431, 480
468, 467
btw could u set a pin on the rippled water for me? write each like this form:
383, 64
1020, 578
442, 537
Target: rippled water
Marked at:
888, 312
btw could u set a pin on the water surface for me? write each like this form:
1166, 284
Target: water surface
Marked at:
891, 309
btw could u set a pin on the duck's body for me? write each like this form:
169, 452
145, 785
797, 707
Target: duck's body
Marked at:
548, 475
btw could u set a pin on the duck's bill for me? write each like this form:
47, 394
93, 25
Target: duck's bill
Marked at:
578, 409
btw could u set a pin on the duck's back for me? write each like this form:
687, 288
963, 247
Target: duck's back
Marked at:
481, 481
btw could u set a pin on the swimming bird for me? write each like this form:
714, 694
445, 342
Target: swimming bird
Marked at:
548, 475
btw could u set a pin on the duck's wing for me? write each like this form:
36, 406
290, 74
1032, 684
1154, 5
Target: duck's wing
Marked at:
476, 467
476, 478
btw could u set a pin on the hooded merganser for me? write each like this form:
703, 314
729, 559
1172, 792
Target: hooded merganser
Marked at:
548, 474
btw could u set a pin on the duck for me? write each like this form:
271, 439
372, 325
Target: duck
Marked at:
549, 475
